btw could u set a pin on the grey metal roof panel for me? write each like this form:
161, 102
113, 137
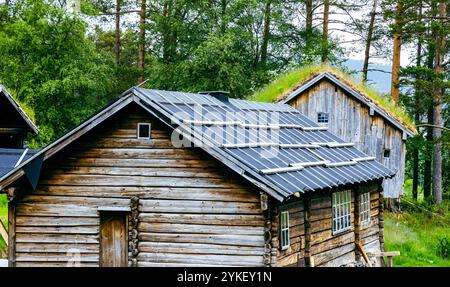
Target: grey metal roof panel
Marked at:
206, 109
10, 157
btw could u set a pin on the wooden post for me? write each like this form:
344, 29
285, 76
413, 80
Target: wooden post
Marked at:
357, 215
133, 238
309, 262
267, 229
381, 221
11, 234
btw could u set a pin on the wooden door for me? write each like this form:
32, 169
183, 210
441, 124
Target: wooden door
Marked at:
113, 239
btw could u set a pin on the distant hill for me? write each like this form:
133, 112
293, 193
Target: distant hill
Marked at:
381, 81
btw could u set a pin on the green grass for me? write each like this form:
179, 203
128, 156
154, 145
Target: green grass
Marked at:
4, 219
288, 82
416, 235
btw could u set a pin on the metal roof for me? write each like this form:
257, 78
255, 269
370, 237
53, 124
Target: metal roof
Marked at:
373, 106
272, 146
282, 156
10, 158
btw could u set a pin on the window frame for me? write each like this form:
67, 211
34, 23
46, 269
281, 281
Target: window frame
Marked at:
139, 130
365, 208
341, 209
322, 116
284, 230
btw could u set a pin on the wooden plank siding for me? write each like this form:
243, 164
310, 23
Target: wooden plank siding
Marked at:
325, 248
294, 255
351, 121
192, 211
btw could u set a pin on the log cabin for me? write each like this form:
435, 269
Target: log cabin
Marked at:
350, 110
161, 178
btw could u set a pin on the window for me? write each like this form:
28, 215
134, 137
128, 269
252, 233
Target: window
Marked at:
284, 227
365, 208
144, 131
322, 118
387, 152
341, 204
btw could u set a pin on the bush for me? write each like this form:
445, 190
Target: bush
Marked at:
443, 247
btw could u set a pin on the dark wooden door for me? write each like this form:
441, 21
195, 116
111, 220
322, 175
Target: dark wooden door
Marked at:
113, 239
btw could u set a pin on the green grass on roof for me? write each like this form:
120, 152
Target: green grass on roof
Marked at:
288, 82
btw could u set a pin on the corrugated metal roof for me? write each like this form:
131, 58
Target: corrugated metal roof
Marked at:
10, 157
252, 134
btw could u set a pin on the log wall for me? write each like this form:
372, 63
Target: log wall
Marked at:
191, 212
351, 121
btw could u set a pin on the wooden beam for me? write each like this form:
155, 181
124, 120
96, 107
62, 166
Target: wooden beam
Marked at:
309, 261
11, 234
357, 214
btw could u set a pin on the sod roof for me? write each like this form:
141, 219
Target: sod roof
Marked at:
282, 87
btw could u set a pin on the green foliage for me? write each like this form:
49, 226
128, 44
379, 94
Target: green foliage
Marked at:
443, 247
51, 67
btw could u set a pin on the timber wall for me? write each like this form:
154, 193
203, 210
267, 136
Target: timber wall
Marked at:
191, 211
351, 121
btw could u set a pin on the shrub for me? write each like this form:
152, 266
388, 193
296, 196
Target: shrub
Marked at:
443, 247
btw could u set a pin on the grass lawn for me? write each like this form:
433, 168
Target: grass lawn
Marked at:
3, 218
417, 235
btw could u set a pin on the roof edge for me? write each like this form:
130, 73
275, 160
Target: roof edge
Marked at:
355, 93
22, 113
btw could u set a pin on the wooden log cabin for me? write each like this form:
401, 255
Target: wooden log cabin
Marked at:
333, 100
163, 178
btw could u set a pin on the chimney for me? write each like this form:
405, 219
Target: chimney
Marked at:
220, 95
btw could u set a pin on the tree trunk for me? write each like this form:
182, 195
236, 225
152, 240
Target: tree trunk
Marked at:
429, 150
141, 52
396, 56
309, 21
437, 113
415, 152
117, 32
266, 33
326, 12
369, 41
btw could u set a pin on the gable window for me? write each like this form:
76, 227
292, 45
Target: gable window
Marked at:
284, 229
144, 131
341, 205
322, 118
387, 152
365, 208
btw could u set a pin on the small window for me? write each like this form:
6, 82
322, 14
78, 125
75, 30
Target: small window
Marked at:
284, 227
365, 208
341, 205
322, 118
387, 152
144, 131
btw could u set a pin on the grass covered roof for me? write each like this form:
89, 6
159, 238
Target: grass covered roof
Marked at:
285, 84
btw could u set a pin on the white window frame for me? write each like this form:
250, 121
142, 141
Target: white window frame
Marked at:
149, 131
341, 211
365, 208
284, 230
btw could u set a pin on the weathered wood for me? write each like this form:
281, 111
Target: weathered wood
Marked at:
332, 254
4, 233
12, 234
56, 247
226, 239
234, 260
333, 243
113, 240
352, 121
